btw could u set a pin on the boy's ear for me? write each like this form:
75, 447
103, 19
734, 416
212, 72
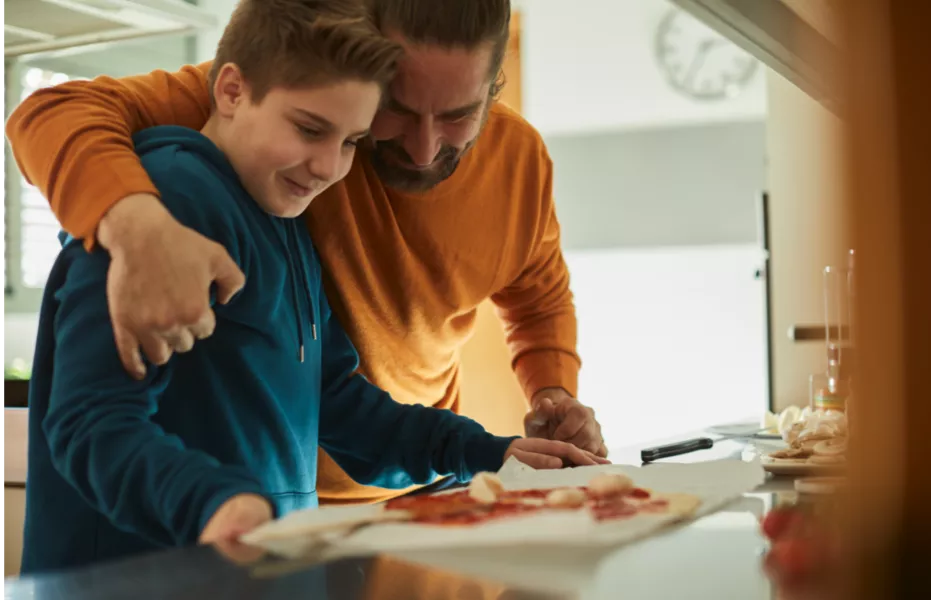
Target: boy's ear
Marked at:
230, 89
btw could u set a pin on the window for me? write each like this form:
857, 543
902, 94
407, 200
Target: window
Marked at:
673, 341
38, 241
6, 284
31, 231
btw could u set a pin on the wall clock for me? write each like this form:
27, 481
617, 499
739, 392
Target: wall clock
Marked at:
700, 63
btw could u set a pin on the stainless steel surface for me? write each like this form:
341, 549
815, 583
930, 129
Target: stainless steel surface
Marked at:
717, 556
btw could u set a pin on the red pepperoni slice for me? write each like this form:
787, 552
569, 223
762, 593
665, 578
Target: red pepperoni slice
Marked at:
639, 493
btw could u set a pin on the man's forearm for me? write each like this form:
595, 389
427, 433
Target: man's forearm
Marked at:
130, 217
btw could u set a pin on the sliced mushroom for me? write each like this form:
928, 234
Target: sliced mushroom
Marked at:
610, 484
485, 488
565, 498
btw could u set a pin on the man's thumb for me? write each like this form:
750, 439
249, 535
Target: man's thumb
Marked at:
227, 276
544, 410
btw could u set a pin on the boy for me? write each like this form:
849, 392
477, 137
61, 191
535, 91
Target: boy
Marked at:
225, 437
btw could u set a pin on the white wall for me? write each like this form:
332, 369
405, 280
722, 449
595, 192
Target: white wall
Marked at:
657, 197
589, 66
207, 40
675, 186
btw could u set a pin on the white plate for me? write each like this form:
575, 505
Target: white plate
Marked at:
797, 467
749, 430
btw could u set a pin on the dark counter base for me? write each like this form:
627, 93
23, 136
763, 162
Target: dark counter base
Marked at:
15, 393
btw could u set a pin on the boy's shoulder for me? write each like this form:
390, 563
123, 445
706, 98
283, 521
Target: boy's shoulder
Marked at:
195, 181
182, 162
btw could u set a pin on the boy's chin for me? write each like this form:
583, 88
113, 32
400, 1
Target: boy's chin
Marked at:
286, 208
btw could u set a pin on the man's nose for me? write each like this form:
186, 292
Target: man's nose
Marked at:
424, 142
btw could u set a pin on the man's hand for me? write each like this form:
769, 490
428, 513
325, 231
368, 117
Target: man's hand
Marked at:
158, 287
550, 454
556, 415
237, 516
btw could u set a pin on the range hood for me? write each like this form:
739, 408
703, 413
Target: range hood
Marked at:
34, 27
796, 38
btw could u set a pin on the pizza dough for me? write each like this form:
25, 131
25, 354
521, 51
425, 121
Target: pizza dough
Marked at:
606, 498
682, 505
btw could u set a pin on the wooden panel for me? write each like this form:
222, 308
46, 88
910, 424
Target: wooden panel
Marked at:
822, 15
511, 94
14, 515
490, 393
15, 443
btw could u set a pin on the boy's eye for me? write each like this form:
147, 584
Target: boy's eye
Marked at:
307, 131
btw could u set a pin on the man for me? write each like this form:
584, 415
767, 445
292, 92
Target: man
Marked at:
451, 204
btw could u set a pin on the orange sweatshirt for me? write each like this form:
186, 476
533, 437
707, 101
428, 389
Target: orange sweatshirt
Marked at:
406, 271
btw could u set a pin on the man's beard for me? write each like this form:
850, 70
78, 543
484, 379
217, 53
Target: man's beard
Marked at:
389, 159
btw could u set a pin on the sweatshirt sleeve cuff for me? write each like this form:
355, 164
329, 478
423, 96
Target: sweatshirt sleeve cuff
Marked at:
217, 500
546, 369
485, 453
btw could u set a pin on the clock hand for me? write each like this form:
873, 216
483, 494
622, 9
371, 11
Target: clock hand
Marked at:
698, 61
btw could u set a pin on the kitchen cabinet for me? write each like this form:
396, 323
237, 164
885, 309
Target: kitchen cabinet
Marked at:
15, 442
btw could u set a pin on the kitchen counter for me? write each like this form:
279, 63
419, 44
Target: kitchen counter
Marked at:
717, 556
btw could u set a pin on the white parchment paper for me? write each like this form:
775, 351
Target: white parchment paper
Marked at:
715, 483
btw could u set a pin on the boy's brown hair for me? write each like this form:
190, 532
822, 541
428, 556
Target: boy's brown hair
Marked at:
303, 43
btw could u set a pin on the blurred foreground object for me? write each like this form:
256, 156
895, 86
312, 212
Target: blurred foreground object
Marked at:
888, 87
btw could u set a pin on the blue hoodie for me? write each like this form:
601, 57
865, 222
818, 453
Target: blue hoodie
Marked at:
118, 466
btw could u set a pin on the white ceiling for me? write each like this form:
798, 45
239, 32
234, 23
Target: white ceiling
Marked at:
41, 26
